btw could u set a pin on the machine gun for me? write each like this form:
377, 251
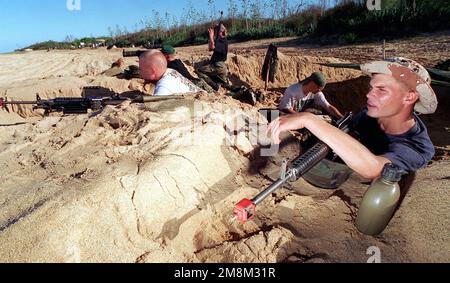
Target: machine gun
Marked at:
138, 53
246, 209
81, 105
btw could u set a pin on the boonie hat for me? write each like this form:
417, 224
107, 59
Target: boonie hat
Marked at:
412, 74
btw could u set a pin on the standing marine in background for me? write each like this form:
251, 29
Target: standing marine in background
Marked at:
215, 73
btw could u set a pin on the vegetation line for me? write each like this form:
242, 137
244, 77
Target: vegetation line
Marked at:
324, 22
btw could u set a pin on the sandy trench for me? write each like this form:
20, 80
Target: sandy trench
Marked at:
135, 183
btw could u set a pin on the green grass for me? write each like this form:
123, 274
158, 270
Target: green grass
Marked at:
352, 22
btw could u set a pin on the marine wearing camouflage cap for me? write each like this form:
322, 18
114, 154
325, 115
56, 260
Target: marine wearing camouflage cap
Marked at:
167, 49
319, 79
411, 73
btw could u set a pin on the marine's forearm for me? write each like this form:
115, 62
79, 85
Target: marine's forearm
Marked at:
351, 151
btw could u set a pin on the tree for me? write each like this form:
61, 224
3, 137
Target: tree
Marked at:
245, 7
175, 23
323, 4
212, 9
232, 13
118, 31
111, 34
191, 13
277, 9
202, 17
299, 6
284, 8
256, 12
157, 22
69, 39
167, 20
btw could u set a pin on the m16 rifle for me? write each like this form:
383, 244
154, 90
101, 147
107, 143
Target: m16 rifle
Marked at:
81, 105
246, 208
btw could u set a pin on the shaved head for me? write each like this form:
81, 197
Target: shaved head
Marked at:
152, 65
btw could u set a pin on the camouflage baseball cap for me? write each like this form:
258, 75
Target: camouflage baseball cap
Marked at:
167, 49
318, 78
412, 74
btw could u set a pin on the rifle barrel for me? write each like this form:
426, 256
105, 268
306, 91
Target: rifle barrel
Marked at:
265, 193
3, 102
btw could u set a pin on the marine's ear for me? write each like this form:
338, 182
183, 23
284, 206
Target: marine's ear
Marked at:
411, 97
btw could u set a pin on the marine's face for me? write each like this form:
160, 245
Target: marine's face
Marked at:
385, 98
223, 34
314, 88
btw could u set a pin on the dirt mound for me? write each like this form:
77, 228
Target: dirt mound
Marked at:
126, 163
291, 69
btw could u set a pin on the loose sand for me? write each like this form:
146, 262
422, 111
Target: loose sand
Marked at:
157, 182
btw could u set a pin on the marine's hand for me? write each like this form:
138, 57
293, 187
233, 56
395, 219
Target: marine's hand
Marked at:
286, 123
